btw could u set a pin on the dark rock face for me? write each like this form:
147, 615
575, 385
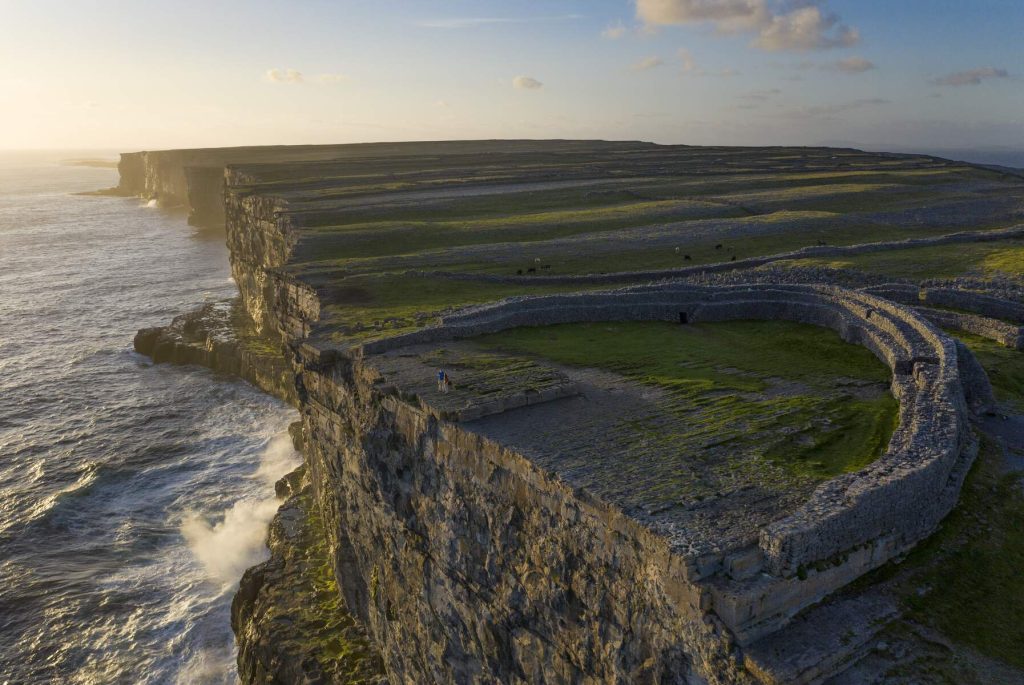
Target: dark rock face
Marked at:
287, 614
468, 564
220, 336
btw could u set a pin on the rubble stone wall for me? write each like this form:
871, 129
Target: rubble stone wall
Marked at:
904, 494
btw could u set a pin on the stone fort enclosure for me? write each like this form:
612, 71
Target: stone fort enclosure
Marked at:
852, 523
467, 559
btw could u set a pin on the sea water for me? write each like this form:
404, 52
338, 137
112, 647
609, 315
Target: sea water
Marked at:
132, 495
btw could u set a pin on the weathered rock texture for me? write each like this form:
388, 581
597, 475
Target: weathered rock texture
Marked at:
287, 610
220, 336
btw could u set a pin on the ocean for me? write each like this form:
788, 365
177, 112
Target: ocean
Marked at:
132, 496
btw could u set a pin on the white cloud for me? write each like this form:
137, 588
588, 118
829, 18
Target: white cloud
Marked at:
971, 77
689, 66
727, 15
804, 26
442, 104
614, 31
526, 83
853, 65
284, 76
648, 63
803, 29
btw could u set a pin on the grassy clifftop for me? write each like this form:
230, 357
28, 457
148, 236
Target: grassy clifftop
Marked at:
392, 241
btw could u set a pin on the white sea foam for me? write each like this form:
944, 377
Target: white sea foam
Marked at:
227, 547
278, 459
208, 667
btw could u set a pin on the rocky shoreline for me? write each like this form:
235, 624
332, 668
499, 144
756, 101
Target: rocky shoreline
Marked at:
287, 615
221, 337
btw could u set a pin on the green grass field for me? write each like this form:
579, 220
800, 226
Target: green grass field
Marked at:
720, 373
1004, 258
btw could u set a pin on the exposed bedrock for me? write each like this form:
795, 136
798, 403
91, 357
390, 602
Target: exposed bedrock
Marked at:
261, 243
286, 611
155, 175
469, 564
220, 336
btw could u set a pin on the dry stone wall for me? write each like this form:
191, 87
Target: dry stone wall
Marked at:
851, 524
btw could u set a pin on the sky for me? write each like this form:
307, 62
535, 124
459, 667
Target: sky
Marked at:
900, 74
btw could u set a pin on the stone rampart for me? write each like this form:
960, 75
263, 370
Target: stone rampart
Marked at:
979, 303
1006, 334
902, 496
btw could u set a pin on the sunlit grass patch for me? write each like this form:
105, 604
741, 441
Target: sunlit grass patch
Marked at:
717, 372
972, 588
1005, 368
1002, 258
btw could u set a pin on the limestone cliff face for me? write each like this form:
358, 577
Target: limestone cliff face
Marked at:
261, 242
221, 336
287, 614
467, 563
464, 561
176, 178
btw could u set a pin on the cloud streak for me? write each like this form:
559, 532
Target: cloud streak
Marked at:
526, 83
832, 110
802, 27
614, 31
284, 76
689, 67
853, 65
648, 63
295, 76
971, 77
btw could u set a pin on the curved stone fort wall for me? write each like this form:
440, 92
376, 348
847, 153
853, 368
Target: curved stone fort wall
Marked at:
886, 507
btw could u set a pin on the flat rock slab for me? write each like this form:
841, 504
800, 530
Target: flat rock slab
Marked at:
482, 383
615, 439
821, 641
